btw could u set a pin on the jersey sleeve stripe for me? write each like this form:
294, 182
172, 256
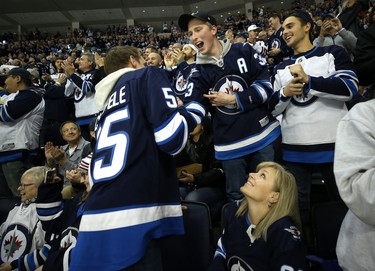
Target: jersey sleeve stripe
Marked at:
44, 251
50, 217
84, 87
168, 130
4, 114
136, 216
249, 141
261, 92
220, 252
30, 261
349, 78
351, 85
66, 258
48, 205
196, 108
185, 135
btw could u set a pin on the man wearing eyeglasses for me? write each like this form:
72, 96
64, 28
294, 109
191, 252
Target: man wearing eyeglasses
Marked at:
22, 235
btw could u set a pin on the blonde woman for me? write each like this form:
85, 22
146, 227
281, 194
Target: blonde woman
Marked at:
262, 232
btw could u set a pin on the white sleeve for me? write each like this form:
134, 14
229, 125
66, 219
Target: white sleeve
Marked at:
354, 164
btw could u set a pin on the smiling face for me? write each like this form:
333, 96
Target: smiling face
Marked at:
203, 36
27, 188
154, 59
71, 132
295, 34
260, 186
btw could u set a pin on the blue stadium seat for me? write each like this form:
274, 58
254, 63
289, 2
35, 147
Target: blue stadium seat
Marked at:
194, 250
7, 204
326, 222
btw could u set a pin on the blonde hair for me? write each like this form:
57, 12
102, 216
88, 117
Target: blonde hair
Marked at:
37, 174
287, 204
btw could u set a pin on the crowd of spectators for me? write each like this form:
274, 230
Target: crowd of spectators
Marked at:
38, 48
60, 73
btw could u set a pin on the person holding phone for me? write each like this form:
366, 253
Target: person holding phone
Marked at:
333, 33
61, 223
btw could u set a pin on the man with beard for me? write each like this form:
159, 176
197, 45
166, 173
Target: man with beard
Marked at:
185, 61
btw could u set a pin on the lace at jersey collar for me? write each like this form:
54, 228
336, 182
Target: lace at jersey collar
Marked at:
205, 59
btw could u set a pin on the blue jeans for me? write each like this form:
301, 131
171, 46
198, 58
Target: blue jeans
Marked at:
237, 170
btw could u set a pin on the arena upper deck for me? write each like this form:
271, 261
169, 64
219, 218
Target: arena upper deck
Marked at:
56, 15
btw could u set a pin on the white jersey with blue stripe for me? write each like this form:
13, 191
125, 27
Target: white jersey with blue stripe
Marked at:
22, 239
21, 117
82, 89
309, 121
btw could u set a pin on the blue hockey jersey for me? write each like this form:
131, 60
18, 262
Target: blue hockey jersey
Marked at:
309, 121
246, 128
239, 250
180, 77
134, 198
276, 41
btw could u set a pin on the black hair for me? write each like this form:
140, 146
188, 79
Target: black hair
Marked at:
2, 80
304, 18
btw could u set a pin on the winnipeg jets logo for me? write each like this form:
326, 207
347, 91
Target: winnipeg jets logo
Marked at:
69, 237
276, 43
231, 89
294, 232
235, 263
230, 84
180, 85
78, 94
304, 99
14, 243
